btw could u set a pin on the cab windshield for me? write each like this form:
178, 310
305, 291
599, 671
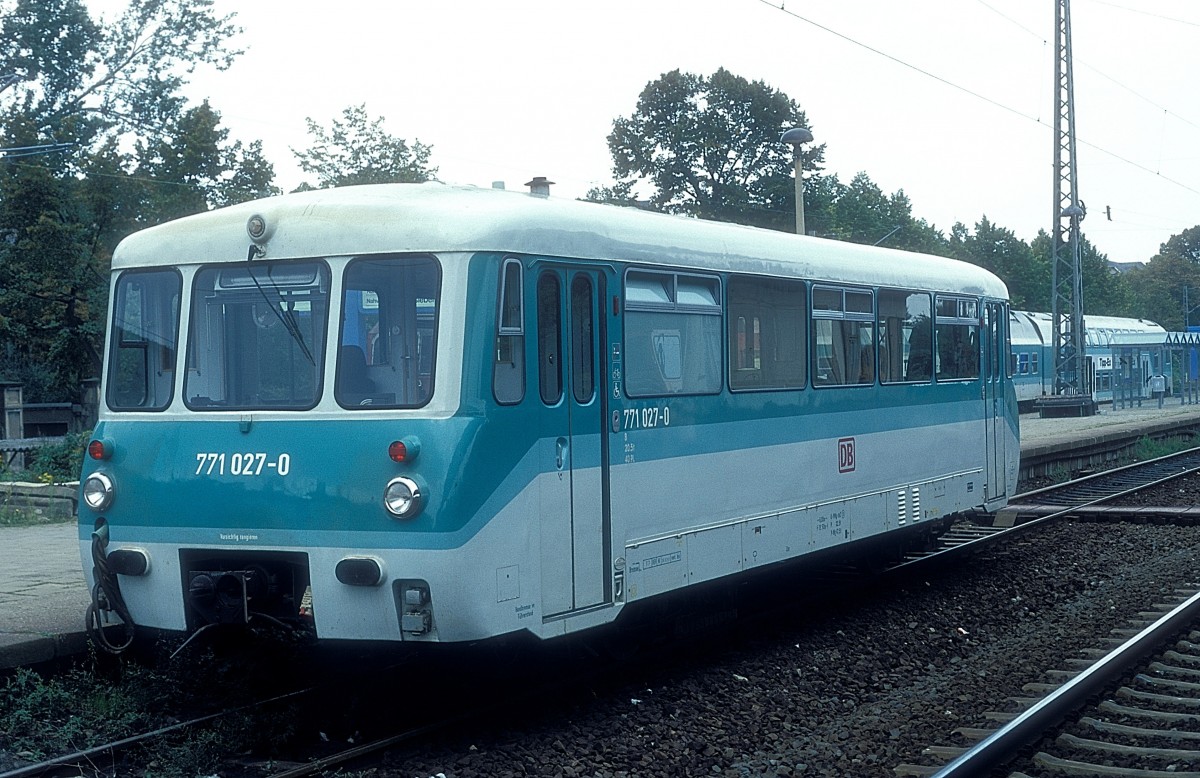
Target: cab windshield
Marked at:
257, 336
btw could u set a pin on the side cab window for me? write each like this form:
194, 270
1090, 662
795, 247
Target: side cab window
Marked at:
508, 365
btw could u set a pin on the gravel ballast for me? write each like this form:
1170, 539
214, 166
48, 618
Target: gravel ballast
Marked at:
856, 686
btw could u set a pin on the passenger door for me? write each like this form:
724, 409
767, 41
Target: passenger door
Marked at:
995, 370
571, 334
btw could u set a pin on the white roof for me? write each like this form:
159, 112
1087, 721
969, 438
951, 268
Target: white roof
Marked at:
1033, 327
1120, 324
437, 218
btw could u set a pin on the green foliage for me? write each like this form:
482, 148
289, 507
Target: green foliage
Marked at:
48, 273
620, 193
43, 717
358, 150
83, 78
61, 461
710, 148
1148, 448
1157, 289
48, 717
997, 249
193, 167
104, 87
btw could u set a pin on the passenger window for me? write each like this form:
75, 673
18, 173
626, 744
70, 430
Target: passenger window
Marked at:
905, 337
549, 324
843, 336
388, 332
767, 321
583, 357
508, 370
672, 334
957, 330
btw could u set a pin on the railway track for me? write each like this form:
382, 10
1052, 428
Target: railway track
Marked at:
966, 536
1143, 727
1029, 509
1103, 742
1106, 485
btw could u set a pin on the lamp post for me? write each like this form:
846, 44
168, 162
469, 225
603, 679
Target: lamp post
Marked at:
798, 136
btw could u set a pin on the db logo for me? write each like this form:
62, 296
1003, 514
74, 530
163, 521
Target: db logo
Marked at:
846, 455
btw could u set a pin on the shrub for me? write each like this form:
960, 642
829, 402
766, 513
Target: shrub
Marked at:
60, 461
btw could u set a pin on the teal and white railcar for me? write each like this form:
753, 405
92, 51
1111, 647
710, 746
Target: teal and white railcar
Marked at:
429, 413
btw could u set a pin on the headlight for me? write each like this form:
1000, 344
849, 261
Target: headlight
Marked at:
403, 497
98, 491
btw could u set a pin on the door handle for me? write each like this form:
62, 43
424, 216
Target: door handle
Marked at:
560, 453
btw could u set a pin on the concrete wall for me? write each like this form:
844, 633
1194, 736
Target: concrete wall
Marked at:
48, 502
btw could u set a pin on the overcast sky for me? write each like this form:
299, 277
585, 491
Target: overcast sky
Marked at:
950, 100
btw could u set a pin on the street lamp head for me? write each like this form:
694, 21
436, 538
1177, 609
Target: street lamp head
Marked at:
796, 136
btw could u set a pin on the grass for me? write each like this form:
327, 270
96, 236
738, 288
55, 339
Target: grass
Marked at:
43, 716
14, 513
54, 463
1147, 448
16, 517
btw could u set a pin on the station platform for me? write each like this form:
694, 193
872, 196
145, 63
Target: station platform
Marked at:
1096, 438
43, 597
42, 594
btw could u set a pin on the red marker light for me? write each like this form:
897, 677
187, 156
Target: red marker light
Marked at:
405, 450
97, 450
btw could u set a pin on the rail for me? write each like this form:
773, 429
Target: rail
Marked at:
998, 749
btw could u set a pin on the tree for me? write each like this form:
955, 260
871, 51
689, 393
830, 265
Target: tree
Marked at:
46, 276
862, 213
999, 250
102, 87
1185, 245
620, 193
1156, 289
248, 176
80, 78
358, 150
192, 167
1104, 290
710, 148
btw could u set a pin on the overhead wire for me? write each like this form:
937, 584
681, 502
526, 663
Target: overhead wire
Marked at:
13, 152
1013, 21
1166, 112
1092, 67
945, 81
1147, 13
971, 92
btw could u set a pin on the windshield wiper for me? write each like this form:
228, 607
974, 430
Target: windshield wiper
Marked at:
289, 321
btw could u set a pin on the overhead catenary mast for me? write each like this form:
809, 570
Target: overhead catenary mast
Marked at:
1071, 389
